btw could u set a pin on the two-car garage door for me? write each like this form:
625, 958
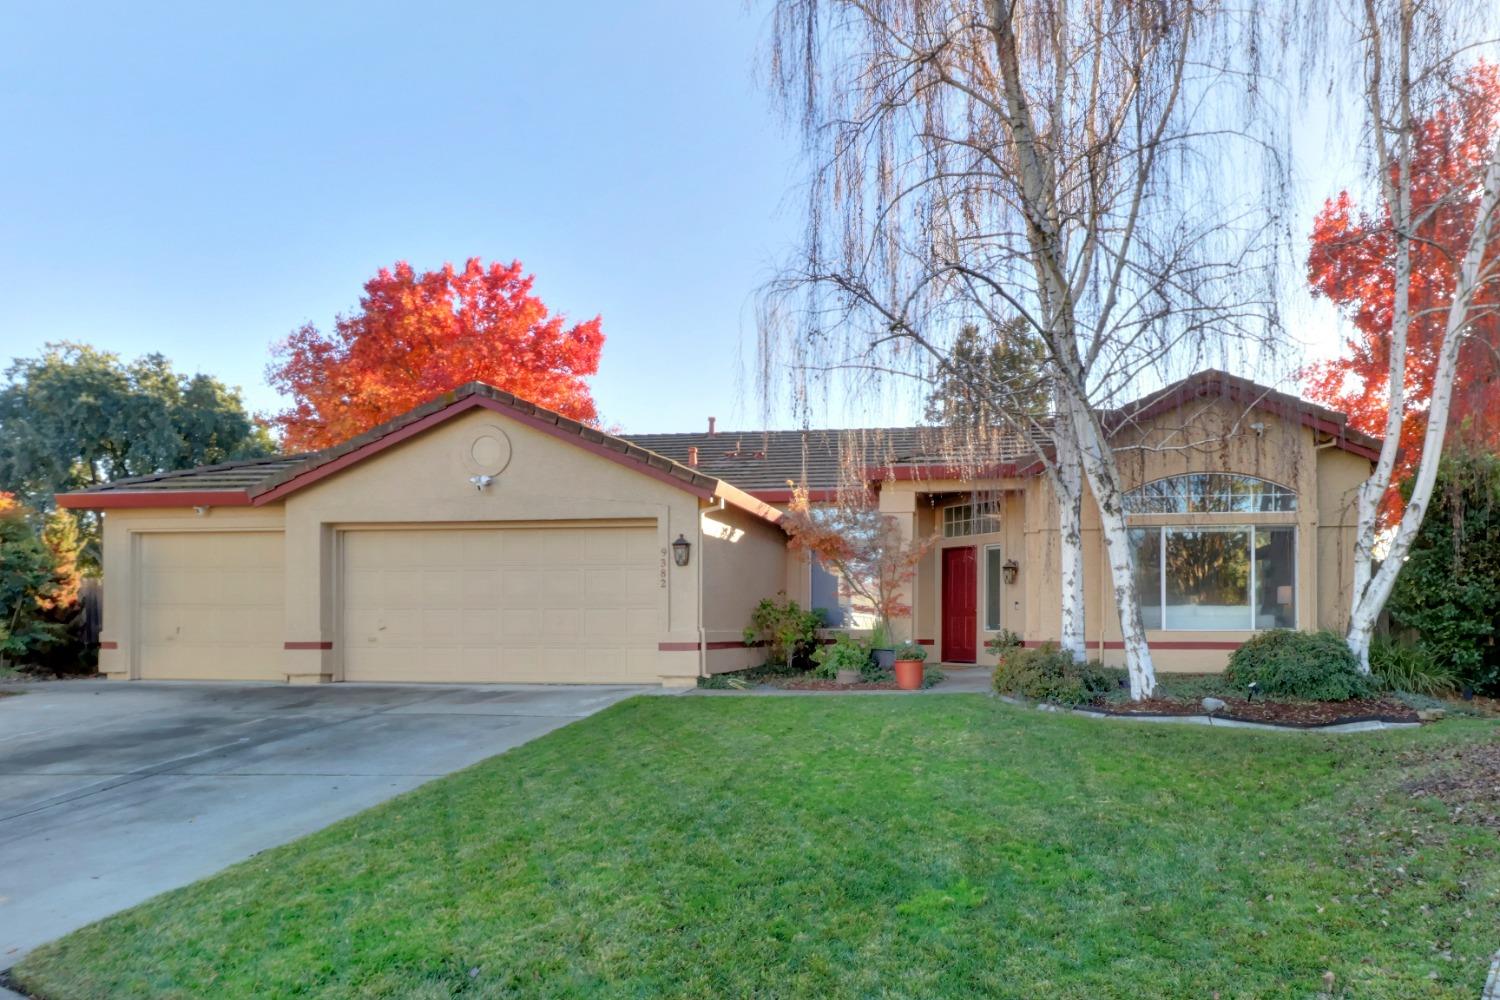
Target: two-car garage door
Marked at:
526, 604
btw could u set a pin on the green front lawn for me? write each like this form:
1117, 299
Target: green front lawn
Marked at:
933, 846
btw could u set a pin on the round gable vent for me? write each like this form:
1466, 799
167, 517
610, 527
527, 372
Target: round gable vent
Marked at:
488, 451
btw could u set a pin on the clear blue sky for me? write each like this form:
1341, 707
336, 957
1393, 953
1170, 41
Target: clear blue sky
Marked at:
200, 179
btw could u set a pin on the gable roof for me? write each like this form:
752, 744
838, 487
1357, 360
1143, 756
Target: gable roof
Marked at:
749, 469
1215, 384
262, 481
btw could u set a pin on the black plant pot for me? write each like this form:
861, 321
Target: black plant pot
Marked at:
885, 659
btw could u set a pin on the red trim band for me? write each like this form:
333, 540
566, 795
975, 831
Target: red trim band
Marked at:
926, 642
307, 645
693, 647
108, 644
1114, 644
1008, 470
125, 500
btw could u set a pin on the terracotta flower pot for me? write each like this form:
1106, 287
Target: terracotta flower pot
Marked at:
909, 675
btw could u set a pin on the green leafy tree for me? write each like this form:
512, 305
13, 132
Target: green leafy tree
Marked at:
30, 587
1448, 592
989, 375
76, 416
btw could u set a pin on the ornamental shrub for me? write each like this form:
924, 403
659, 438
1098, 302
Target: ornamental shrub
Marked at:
1447, 598
1048, 673
789, 632
1412, 669
843, 653
1316, 666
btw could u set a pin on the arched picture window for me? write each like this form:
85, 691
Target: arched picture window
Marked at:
1210, 493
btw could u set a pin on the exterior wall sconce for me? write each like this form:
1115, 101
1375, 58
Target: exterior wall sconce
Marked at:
1010, 571
680, 550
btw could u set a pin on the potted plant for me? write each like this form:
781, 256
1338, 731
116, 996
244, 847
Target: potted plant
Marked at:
910, 664
842, 661
881, 646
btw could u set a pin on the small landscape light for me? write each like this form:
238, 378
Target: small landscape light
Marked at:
680, 549
1251, 689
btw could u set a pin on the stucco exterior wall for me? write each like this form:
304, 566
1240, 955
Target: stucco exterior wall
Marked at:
744, 560
1339, 477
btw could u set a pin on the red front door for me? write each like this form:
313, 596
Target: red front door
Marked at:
960, 603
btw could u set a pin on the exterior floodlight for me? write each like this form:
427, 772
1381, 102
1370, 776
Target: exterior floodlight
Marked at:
480, 482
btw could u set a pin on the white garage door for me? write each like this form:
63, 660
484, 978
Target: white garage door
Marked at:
537, 605
210, 606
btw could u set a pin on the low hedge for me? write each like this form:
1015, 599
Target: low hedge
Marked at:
1314, 666
1048, 673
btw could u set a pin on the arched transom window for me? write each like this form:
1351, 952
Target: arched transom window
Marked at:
1210, 493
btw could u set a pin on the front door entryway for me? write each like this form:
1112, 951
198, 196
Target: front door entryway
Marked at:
960, 592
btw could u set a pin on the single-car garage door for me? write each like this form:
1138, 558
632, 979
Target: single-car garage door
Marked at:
210, 606
566, 604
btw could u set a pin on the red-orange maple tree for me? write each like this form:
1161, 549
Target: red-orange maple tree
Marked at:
1350, 263
418, 335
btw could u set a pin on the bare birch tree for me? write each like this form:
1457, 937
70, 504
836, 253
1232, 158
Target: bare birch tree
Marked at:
1414, 52
1079, 163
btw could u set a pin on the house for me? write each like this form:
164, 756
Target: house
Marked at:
480, 538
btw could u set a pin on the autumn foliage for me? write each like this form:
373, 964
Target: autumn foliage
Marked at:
863, 547
1352, 263
416, 336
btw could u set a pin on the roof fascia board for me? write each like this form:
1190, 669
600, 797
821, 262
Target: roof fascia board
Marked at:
140, 499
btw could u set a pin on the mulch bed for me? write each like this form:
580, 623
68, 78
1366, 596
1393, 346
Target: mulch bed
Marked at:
1283, 713
1466, 780
820, 684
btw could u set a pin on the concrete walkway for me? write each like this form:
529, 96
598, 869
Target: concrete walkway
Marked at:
111, 793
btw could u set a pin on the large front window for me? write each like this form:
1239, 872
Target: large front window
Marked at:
1221, 578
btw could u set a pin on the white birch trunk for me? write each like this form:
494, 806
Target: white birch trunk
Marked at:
1067, 485
1373, 587
1103, 477
1394, 167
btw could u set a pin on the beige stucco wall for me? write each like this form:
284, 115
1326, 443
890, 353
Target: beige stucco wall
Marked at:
424, 481
744, 559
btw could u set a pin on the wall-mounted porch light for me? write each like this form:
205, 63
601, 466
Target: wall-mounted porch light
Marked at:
1010, 570
680, 549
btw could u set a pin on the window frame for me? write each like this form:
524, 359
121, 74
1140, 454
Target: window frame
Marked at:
983, 517
1251, 530
1134, 498
996, 580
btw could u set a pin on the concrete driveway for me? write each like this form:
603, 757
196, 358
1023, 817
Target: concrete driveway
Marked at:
112, 792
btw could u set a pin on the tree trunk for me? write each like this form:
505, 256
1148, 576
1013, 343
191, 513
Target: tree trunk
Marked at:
1104, 479
1067, 484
